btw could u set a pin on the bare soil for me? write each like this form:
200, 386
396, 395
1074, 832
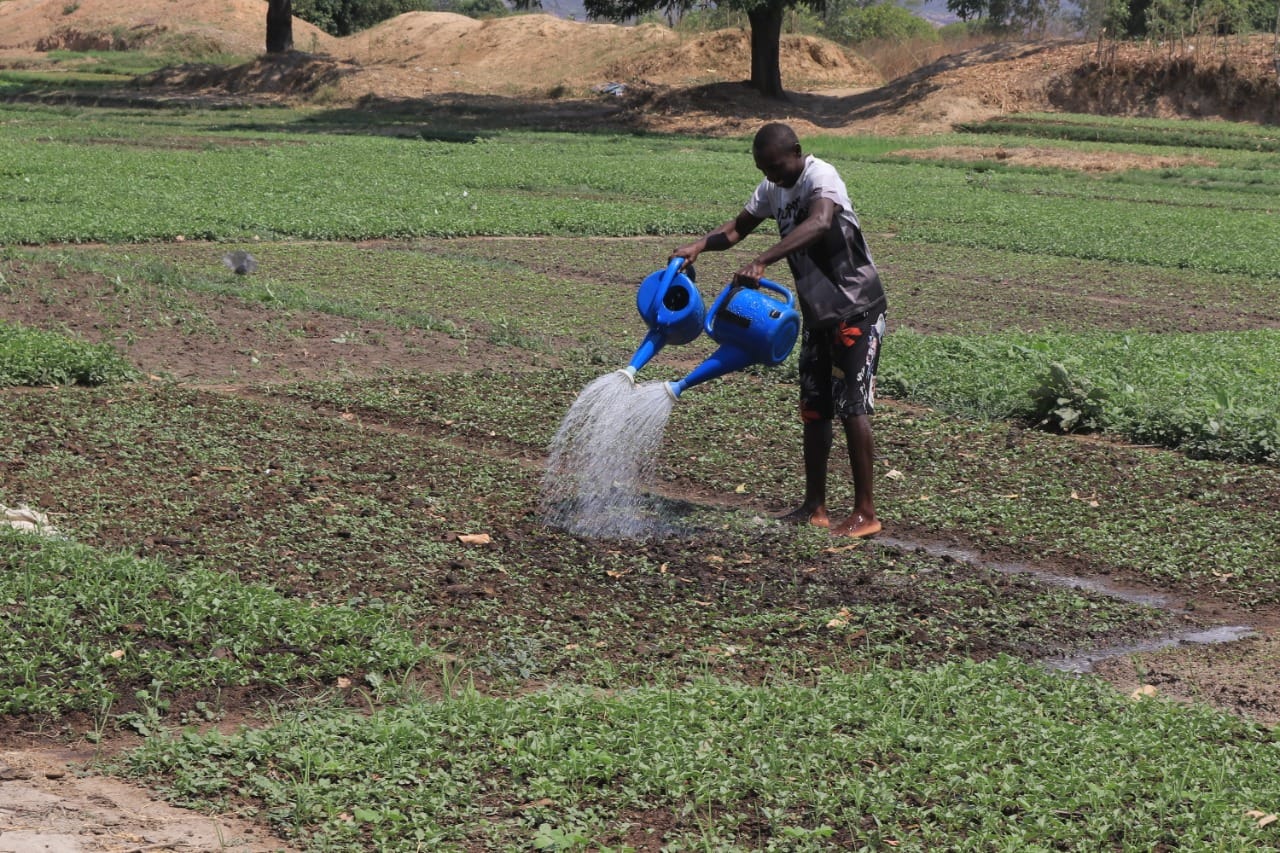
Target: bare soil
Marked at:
48, 806
1058, 158
541, 71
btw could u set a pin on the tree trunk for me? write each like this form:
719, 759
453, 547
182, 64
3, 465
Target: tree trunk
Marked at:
279, 26
766, 42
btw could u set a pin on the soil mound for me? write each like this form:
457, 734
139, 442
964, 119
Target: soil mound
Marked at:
421, 53
1233, 78
236, 27
725, 55
287, 76
541, 54
538, 70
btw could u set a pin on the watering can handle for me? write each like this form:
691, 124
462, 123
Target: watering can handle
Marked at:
780, 290
730, 289
673, 267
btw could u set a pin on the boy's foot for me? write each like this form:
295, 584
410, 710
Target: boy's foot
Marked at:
804, 515
858, 526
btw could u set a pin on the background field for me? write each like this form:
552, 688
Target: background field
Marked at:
271, 599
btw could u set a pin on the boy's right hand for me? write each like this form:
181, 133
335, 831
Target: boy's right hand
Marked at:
750, 275
689, 252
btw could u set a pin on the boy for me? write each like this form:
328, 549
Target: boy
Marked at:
842, 303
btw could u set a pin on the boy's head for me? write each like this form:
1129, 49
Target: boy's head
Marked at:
777, 153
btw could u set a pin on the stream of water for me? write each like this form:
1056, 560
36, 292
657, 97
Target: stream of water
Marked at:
1083, 661
602, 458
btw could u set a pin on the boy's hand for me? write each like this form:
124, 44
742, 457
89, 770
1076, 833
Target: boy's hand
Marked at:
750, 275
689, 253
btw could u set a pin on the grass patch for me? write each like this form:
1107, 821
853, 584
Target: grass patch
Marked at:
335, 186
992, 756
1206, 394
94, 631
33, 357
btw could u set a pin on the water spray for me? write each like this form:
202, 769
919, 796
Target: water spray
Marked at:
606, 449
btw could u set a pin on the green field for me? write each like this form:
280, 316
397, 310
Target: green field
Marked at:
267, 487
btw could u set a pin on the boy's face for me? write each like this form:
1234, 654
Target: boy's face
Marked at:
781, 165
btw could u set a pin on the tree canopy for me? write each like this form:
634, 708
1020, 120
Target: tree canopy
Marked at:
1006, 15
1166, 19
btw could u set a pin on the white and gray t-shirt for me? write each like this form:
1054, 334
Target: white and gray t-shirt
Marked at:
835, 277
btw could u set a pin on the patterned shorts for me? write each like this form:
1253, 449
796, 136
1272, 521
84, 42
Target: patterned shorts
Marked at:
838, 368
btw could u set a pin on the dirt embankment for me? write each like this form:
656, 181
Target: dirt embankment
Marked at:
538, 70
1230, 78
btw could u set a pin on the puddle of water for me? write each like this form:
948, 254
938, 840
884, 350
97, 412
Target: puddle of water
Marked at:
1084, 661
964, 555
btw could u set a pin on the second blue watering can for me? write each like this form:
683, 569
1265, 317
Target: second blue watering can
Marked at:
670, 305
752, 326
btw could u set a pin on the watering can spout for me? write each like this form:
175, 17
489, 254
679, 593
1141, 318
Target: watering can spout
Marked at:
654, 341
724, 360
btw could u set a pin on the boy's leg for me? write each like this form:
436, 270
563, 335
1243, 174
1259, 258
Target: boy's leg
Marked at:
862, 521
816, 409
857, 356
817, 450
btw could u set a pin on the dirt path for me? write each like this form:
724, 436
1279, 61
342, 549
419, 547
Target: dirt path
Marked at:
47, 806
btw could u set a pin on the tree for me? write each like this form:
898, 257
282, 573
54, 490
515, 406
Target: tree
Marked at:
967, 10
1164, 19
1006, 15
279, 26
764, 16
885, 22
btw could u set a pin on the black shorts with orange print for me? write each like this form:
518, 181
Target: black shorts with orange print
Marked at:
838, 368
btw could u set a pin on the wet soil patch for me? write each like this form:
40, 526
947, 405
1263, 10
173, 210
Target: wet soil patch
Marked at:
324, 509
189, 336
1239, 677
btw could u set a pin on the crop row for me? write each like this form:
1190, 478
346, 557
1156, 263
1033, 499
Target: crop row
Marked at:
964, 756
133, 185
1179, 133
1210, 394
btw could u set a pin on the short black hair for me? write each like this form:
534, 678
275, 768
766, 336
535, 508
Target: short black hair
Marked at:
775, 136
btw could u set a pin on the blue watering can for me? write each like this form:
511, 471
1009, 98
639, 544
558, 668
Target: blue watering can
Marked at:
751, 326
670, 305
